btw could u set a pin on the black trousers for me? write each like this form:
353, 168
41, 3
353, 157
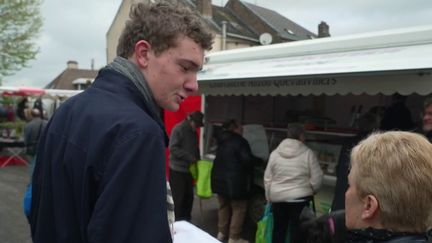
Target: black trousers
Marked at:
182, 192
286, 214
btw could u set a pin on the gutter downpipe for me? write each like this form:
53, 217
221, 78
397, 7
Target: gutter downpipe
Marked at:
224, 35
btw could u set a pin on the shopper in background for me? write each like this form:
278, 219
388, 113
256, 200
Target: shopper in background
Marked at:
427, 118
32, 133
366, 124
292, 176
22, 106
38, 104
389, 197
328, 228
232, 180
184, 150
100, 171
397, 116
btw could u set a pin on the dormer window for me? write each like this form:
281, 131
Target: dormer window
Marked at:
82, 83
289, 31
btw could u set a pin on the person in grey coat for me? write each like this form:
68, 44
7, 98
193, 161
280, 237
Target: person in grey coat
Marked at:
184, 151
33, 131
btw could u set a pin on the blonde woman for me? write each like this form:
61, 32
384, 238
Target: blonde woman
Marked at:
389, 198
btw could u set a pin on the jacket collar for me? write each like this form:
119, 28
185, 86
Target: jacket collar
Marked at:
118, 84
371, 235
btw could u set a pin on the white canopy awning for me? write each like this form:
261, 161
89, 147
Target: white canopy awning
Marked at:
382, 62
33, 91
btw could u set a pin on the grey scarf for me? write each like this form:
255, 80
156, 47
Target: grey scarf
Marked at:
130, 70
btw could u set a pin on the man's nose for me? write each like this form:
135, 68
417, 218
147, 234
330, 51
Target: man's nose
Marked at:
191, 84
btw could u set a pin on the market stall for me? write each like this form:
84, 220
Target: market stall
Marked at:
16, 103
327, 84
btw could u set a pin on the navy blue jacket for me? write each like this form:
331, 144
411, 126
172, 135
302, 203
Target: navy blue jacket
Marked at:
100, 169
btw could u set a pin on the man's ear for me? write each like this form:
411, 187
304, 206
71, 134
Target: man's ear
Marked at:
370, 207
142, 53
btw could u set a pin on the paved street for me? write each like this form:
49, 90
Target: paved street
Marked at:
13, 224
208, 220
14, 227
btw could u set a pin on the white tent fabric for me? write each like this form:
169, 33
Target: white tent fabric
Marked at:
384, 62
32, 91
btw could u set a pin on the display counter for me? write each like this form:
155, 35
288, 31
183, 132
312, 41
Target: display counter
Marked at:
327, 145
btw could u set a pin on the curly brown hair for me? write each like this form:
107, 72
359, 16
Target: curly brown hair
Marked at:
161, 24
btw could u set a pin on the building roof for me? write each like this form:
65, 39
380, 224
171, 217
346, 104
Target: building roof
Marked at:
69, 75
286, 28
238, 27
234, 24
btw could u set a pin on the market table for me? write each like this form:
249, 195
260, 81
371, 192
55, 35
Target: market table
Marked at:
14, 148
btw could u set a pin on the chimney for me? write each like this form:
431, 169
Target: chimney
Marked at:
204, 7
72, 64
323, 30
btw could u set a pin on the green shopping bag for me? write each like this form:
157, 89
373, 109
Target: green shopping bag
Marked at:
265, 226
201, 172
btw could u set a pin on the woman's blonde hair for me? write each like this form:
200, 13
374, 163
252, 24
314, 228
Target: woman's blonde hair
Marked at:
396, 168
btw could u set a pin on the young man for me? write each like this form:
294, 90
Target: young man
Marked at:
100, 170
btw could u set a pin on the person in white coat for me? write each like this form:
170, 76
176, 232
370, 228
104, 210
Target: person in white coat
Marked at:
292, 176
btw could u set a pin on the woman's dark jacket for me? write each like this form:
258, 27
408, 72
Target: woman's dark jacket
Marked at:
371, 235
232, 174
342, 170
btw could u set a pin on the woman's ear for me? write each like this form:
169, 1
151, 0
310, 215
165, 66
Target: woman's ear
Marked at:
370, 208
142, 53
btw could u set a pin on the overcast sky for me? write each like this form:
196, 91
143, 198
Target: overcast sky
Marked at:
75, 30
